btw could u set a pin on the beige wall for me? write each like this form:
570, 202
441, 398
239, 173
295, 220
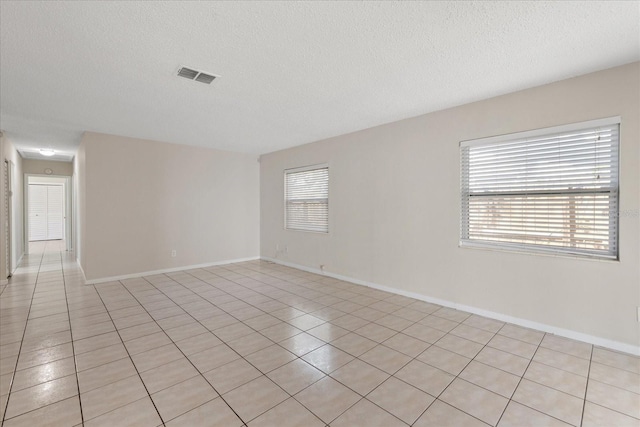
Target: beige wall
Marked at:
3, 262
394, 211
38, 166
9, 152
2, 219
79, 203
142, 199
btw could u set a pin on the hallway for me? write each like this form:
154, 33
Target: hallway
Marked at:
34, 323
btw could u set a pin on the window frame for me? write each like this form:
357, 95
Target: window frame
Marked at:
532, 248
285, 200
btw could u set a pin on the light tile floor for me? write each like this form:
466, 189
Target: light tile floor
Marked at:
259, 344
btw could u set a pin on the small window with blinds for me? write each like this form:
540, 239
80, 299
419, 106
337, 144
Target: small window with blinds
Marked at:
307, 199
553, 190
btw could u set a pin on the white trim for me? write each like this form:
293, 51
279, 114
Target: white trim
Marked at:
17, 264
166, 270
68, 201
84, 276
307, 168
9, 236
284, 205
496, 187
539, 132
567, 333
519, 248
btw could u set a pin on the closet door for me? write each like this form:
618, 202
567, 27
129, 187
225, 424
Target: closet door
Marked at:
55, 209
37, 212
46, 212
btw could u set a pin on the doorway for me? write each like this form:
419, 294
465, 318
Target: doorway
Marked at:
47, 210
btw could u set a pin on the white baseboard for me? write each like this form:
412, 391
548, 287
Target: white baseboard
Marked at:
6, 281
567, 333
166, 270
84, 276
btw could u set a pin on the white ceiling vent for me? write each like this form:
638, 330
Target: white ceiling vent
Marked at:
198, 76
187, 73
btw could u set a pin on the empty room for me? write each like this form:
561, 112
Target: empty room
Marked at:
319, 213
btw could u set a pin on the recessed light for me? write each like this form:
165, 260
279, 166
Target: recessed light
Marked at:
48, 152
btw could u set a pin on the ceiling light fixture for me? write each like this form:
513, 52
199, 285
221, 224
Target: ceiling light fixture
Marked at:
48, 152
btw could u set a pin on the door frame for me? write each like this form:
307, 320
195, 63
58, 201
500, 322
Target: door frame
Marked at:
8, 164
68, 213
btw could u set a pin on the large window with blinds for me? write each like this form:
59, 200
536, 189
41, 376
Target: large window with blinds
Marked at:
553, 190
307, 199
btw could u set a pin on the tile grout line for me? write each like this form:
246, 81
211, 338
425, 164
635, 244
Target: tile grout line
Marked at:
382, 343
175, 282
364, 361
471, 359
241, 356
617, 411
615, 386
4, 415
297, 358
520, 380
586, 388
396, 332
520, 376
179, 349
75, 363
134, 365
277, 343
530, 360
233, 275
3, 287
412, 358
380, 385
358, 358
225, 343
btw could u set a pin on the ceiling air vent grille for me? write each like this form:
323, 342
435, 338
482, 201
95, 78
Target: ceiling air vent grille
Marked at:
187, 73
198, 76
205, 78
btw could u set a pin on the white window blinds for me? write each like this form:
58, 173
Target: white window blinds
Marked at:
543, 191
307, 199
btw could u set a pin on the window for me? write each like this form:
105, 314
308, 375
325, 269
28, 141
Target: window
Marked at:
552, 190
307, 199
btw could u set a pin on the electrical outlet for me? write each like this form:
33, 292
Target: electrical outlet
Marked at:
173, 253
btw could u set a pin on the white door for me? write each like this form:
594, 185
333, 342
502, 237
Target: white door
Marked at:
55, 209
46, 212
37, 212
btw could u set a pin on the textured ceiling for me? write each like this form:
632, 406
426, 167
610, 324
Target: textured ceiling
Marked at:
291, 72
